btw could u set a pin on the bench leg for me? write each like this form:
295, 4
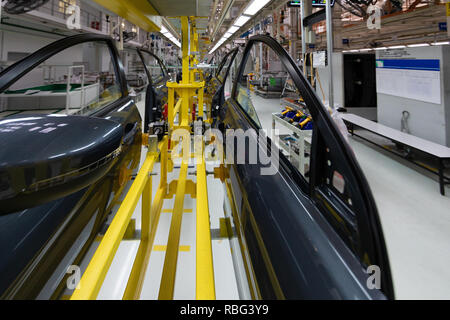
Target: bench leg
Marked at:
441, 177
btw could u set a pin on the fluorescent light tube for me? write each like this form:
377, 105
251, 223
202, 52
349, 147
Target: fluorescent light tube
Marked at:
255, 6
418, 45
440, 43
232, 29
241, 21
396, 47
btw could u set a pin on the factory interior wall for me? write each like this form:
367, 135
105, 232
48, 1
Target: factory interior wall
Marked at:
338, 81
36, 76
12, 41
446, 92
426, 120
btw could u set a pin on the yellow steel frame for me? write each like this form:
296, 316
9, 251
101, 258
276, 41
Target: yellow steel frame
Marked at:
205, 289
170, 262
97, 269
95, 273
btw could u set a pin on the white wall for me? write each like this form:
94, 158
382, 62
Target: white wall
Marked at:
427, 120
21, 42
446, 89
338, 80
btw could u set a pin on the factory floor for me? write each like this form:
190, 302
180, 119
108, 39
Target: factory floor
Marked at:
414, 216
415, 219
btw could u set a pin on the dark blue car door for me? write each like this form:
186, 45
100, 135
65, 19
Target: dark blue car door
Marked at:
309, 234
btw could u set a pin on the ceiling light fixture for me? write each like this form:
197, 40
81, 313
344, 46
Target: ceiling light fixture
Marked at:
396, 47
241, 21
418, 45
232, 29
440, 43
170, 36
255, 6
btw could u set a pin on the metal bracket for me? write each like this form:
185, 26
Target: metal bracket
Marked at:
153, 144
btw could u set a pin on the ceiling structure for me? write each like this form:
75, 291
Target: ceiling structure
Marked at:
419, 21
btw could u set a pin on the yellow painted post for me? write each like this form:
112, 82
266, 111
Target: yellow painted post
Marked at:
170, 261
137, 275
200, 102
185, 49
95, 273
192, 47
164, 155
145, 212
184, 116
177, 107
205, 288
150, 218
170, 105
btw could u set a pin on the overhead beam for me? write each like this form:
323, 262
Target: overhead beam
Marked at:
135, 11
314, 18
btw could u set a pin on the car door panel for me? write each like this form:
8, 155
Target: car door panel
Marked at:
34, 241
295, 250
299, 269
156, 91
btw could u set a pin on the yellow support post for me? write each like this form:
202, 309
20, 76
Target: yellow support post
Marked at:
200, 102
95, 273
177, 107
170, 104
205, 289
149, 224
185, 49
170, 261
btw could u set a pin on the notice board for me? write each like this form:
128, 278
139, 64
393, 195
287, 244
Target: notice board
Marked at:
418, 79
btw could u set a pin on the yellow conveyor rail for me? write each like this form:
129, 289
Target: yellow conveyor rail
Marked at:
93, 277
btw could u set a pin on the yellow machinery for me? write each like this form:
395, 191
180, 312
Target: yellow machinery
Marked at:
191, 86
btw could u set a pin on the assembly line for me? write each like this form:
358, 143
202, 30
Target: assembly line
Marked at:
153, 152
